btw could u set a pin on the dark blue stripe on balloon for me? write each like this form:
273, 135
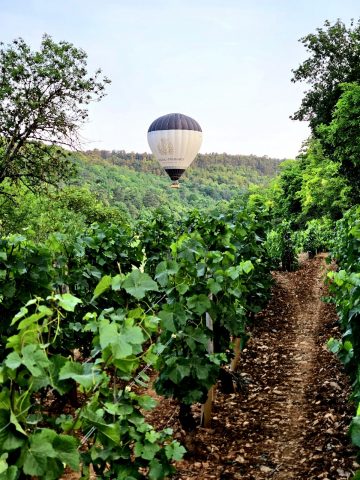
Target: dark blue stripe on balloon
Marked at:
174, 121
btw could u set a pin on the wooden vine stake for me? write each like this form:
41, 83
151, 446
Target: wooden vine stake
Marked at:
235, 360
206, 408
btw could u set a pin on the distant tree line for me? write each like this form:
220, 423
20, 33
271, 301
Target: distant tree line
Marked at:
145, 162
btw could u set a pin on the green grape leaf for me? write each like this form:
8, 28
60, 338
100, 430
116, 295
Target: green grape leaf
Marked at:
41, 442
246, 266
34, 464
178, 372
40, 450
174, 451
117, 281
133, 335
84, 374
167, 321
102, 286
202, 371
10, 474
67, 301
199, 303
13, 361
67, 450
214, 286
157, 470
233, 272
108, 333
149, 450
355, 431
12, 442
138, 283
146, 402
21, 313
3, 462
164, 269
119, 408
35, 359
121, 347
152, 436
110, 430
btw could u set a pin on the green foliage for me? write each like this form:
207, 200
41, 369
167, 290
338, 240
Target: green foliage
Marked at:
280, 246
40, 442
26, 271
345, 282
310, 187
64, 265
273, 247
345, 287
323, 191
69, 211
341, 136
216, 265
290, 181
136, 180
157, 232
318, 236
107, 192
122, 299
89, 302
43, 99
89, 205
346, 245
334, 59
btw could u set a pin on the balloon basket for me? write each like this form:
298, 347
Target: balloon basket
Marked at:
175, 184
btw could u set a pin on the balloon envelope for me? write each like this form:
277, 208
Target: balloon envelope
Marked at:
175, 139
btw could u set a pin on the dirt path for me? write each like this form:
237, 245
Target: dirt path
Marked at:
292, 421
289, 407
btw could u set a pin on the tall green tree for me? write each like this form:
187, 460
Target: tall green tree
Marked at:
341, 137
323, 191
43, 102
334, 59
310, 187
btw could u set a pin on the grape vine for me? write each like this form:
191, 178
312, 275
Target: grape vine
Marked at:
83, 320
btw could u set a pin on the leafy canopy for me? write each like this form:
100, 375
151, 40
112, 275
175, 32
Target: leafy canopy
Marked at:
43, 102
334, 59
341, 137
311, 187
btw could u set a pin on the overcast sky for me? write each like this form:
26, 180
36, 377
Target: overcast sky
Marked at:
226, 63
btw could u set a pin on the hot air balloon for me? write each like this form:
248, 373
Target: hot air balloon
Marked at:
175, 139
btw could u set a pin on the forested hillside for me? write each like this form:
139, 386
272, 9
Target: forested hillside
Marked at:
136, 180
115, 186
